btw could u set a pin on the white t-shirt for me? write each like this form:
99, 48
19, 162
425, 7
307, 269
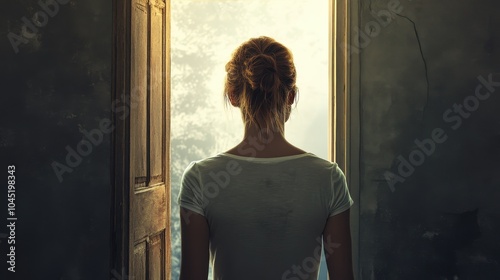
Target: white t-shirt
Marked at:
266, 215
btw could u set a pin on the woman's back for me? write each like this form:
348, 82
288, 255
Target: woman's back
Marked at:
265, 216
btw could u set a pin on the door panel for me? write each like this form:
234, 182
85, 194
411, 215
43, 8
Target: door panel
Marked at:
139, 261
141, 239
156, 255
148, 213
138, 94
157, 84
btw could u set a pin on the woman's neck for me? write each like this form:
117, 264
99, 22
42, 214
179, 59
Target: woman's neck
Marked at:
261, 143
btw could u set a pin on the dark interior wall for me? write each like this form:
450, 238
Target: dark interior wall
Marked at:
55, 87
430, 186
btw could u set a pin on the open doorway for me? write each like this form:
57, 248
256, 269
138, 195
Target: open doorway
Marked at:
204, 34
146, 169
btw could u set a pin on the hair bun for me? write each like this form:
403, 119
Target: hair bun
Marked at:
261, 73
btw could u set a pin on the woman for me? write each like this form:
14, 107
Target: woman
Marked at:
260, 210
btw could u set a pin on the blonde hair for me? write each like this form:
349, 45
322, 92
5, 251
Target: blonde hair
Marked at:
260, 77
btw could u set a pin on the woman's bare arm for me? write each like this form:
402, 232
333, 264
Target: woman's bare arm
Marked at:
337, 244
195, 240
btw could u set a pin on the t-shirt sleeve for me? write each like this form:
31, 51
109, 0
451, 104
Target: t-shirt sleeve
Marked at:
191, 194
341, 200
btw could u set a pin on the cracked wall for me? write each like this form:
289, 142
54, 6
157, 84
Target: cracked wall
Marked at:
430, 174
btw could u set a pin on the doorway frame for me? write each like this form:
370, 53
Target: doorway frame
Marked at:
344, 137
343, 117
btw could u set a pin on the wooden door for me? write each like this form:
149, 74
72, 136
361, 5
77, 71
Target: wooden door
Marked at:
141, 140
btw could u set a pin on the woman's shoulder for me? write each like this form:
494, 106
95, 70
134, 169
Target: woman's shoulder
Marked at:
292, 156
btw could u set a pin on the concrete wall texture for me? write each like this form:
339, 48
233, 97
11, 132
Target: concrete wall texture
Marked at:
56, 88
430, 134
